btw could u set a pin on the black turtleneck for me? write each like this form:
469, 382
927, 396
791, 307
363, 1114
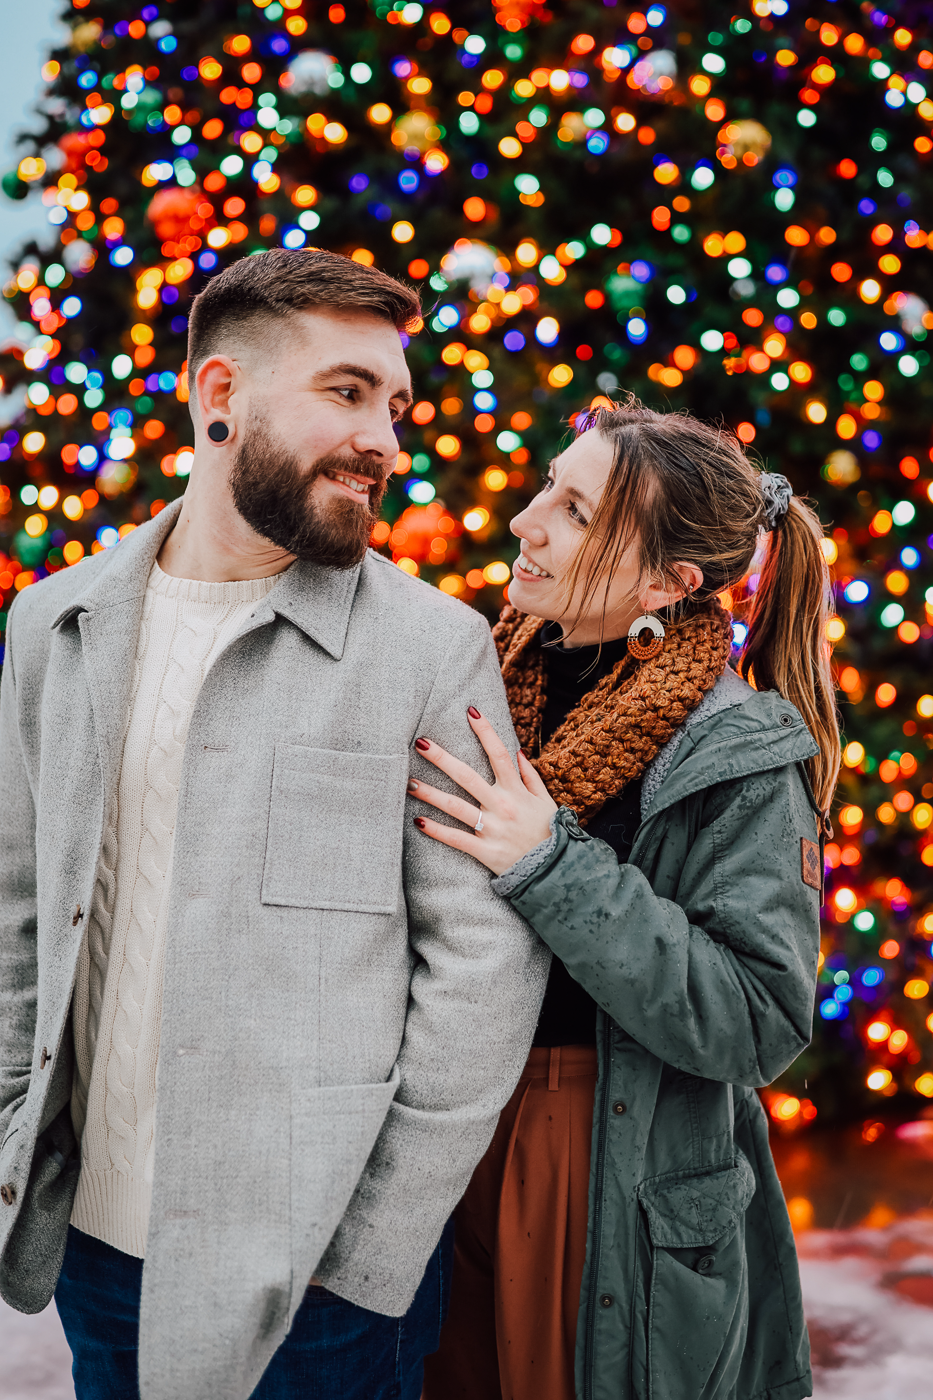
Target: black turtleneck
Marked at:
568, 1013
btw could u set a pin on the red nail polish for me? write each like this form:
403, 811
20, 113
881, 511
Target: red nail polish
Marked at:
420, 823
423, 744
473, 712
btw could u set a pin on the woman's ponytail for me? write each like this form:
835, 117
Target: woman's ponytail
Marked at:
787, 649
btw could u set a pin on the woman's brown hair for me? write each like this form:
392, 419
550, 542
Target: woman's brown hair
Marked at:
684, 491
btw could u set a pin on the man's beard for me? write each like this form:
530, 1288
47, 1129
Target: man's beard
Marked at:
274, 495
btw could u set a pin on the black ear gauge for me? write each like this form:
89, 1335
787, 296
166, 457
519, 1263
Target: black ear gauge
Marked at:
218, 432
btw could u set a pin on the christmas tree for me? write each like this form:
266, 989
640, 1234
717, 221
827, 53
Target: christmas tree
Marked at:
722, 212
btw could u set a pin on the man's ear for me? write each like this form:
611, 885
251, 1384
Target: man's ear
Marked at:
216, 385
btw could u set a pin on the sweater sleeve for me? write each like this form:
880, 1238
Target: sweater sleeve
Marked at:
720, 981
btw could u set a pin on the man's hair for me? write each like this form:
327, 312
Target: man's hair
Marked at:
244, 302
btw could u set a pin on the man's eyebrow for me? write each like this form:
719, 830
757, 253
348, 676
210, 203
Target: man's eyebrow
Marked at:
358, 372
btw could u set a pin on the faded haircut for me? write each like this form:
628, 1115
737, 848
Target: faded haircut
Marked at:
249, 301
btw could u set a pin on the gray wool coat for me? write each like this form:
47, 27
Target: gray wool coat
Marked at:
347, 1004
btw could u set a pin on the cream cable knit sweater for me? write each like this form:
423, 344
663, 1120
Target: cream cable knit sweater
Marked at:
118, 994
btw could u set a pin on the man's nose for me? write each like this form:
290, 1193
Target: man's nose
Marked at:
376, 438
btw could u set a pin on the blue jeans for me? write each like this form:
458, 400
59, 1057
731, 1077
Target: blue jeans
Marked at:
334, 1351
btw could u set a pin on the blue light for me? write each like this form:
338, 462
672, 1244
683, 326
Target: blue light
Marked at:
891, 342
108, 536
121, 256
71, 306
167, 381
87, 79
642, 271
656, 15
830, 1010
277, 44
169, 295
785, 178
910, 557
843, 994
448, 316
857, 591
189, 74
775, 273
871, 440
867, 206
871, 976
207, 261
894, 98
294, 237
739, 633
408, 181
88, 457
513, 341
94, 380
637, 330
359, 182
597, 143
121, 418
484, 402
479, 171
167, 44
380, 211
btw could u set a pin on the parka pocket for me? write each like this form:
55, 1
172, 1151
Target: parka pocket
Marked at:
335, 830
698, 1295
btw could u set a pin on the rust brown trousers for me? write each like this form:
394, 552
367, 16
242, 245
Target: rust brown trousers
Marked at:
521, 1243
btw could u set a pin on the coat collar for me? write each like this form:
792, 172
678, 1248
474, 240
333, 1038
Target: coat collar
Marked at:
318, 601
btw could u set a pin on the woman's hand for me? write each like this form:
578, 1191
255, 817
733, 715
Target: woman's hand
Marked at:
513, 816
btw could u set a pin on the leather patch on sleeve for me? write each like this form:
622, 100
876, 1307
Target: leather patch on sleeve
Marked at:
810, 864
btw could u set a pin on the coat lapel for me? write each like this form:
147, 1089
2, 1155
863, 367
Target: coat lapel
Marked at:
107, 614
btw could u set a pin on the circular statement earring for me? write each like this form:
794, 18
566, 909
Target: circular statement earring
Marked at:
640, 650
218, 432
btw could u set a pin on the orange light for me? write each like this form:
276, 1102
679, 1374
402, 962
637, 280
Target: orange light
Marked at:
889, 949
881, 234
796, 236
885, 695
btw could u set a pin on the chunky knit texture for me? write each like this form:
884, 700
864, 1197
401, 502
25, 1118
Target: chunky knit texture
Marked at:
625, 720
118, 995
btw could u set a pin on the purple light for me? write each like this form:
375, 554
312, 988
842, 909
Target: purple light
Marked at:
401, 67
783, 324
871, 440
514, 341
359, 182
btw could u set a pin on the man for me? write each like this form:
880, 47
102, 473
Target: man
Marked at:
209, 878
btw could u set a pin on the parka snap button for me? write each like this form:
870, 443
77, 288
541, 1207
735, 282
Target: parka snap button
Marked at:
605, 1300
786, 720
77, 916
705, 1264
7, 1194
619, 1107
44, 1058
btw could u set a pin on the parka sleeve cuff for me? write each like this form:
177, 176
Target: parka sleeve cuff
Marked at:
537, 862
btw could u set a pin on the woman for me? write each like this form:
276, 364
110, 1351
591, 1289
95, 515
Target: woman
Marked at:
663, 834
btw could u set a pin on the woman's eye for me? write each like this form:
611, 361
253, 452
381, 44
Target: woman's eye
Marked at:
548, 485
576, 516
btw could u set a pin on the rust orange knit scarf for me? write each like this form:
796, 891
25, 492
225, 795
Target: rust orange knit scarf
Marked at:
628, 716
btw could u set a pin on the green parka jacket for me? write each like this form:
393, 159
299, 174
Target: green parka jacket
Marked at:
701, 952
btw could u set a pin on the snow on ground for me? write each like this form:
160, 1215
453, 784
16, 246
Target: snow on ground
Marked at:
36, 1362
868, 1295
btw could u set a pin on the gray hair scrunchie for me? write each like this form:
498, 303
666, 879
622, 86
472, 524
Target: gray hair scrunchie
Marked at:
777, 491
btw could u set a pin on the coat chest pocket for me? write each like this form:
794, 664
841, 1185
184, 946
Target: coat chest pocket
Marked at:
334, 838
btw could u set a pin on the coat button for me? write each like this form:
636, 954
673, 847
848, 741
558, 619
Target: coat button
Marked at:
786, 720
619, 1107
605, 1300
77, 916
44, 1058
705, 1264
7, 1194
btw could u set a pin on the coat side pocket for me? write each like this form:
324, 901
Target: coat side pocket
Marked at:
335, 830
698, 1296
334, 1130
